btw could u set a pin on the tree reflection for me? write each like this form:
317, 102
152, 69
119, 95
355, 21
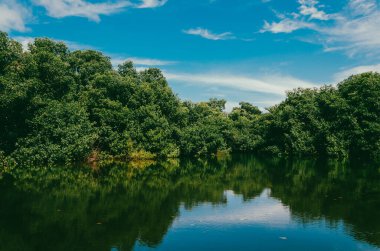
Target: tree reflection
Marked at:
119, 205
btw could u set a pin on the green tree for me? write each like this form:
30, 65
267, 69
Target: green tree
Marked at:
61, 133
362, 114
246, 130
50, 96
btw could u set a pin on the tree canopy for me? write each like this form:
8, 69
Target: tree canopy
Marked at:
59, 106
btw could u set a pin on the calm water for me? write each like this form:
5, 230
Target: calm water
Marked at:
237, 203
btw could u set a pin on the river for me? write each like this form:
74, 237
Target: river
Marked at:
239, 202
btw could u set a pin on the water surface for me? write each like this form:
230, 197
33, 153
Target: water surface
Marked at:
237, 203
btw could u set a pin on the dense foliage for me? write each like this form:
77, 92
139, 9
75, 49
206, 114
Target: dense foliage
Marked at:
58, 106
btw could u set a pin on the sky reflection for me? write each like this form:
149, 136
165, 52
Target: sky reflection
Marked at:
260, 210
260, 223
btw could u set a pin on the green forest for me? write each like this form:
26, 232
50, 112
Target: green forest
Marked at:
59, 107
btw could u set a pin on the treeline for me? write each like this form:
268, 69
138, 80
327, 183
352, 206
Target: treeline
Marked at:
60, 107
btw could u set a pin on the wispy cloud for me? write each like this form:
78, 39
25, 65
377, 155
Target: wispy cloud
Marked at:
273, 84
354, 30
308, 10
81, 8
207, 34
362, 7
13, 16
342, 75
151, 3
141, 61
25, 41
285, 26
311, 9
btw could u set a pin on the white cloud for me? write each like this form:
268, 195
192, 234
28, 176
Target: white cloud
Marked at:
354, 30
209, 35
296, 21
13, 16
151, 3
340, 76
362, 7
309, 8
143, 63
25, 41
285, 26
273, 84
81, 8
354, 34
230, 105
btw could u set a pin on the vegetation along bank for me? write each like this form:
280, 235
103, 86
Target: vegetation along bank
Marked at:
61, 107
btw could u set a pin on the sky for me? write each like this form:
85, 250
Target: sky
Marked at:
238, 50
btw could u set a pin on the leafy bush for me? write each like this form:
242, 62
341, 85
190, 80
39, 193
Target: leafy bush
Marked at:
61, 133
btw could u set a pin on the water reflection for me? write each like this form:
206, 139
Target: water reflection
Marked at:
239, 203
262, 223
261, 210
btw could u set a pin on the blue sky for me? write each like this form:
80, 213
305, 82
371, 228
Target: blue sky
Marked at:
239, 50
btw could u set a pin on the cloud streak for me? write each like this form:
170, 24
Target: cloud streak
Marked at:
151, 3
81, 8
207, 34
354, 30
25, 41
285, 26
142, 61
89, 10
274, 84
342, 75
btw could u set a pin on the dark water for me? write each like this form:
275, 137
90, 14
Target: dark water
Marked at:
238, 203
